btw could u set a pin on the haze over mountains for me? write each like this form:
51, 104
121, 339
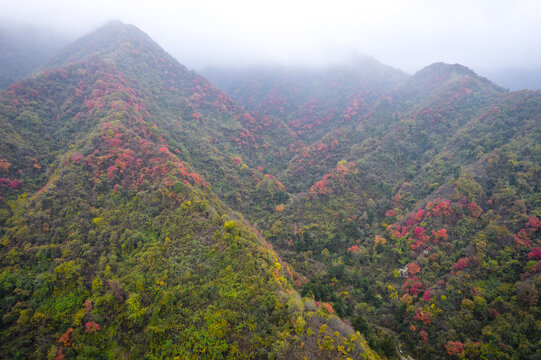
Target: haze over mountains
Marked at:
23, 49
352, 211
26, 47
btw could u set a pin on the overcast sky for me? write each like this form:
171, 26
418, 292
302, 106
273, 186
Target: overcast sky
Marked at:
485, 35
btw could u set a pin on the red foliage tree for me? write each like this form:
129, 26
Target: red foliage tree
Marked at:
91, 326
412, 286
65, 338
413, 269
455, 348
321, 187
4, 165
439, 235
533, 223
419, 232
461, 264
328, 307
535, 254
427, 296
15, 184
420, 315
111, 171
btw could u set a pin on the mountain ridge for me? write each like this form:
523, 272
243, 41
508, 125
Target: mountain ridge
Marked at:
115, 202
406, 205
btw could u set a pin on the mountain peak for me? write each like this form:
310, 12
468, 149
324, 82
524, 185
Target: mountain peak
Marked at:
441, 73
118, 28
444, 69
114, 23
106, 42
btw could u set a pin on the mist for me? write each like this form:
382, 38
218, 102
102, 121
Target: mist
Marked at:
489, 36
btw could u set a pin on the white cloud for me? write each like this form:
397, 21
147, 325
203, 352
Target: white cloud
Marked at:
409, 34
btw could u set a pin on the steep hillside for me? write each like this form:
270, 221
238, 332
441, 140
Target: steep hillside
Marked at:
299, 111
113, 244
200, 123
390, 230
143, 213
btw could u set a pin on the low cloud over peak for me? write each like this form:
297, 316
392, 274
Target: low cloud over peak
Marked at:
484, 35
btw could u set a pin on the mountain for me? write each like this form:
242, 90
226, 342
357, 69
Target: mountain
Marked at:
397, 215
114, 244
409, 235
351, 211
23, 49
296, 108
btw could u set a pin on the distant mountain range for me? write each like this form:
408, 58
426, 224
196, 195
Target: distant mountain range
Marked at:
345, 212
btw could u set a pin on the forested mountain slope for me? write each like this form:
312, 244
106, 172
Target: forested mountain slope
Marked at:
419, 219
113, 244
147, 213
294, 108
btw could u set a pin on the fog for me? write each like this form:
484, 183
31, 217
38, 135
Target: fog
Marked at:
485, 35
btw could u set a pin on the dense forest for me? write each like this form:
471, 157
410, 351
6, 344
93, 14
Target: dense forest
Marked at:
345, 212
